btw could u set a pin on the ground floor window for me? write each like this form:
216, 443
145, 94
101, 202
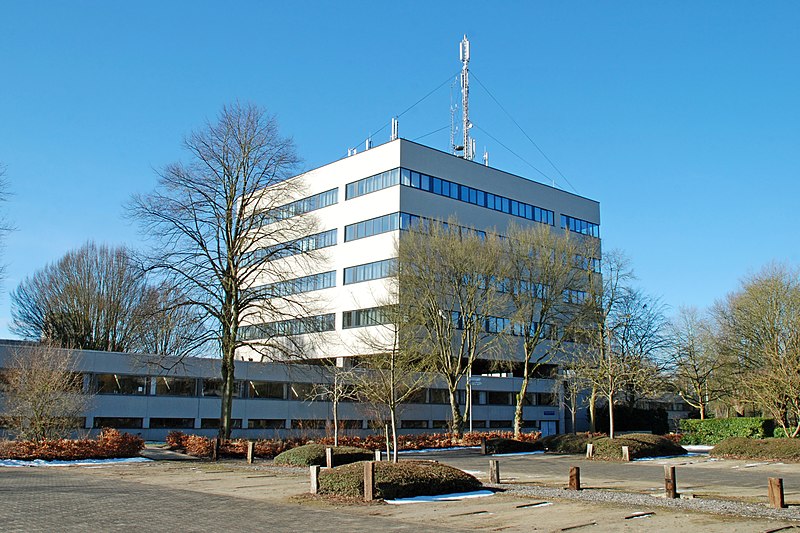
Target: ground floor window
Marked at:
117, 422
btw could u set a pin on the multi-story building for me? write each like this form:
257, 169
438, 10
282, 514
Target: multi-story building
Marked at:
361, 203
364, 201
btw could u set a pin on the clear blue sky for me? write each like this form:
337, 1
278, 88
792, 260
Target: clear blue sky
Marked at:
682, 118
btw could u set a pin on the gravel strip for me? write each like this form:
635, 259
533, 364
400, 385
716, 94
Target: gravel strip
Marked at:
702, 505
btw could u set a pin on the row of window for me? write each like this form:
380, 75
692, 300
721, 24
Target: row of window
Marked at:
374, 183
133, 385
280, 423
370, 271
313, 282
292, 326
463, 193
576, 225
496, 324
304, 205
299, 246
395, 221
360, 318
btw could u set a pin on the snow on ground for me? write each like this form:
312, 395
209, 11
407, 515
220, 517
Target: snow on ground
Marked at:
81, 462
537, 452
442, 497
698, 448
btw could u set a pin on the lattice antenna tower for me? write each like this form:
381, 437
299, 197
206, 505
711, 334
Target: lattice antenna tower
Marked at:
469, 144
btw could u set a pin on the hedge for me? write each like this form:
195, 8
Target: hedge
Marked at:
109, 444
405, 479
498, 445
715, 430
744, 448
639, 445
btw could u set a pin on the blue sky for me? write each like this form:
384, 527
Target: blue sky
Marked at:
682, 118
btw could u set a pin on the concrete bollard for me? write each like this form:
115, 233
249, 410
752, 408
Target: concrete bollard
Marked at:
670, 482
483, 445
329, 457
776, 492
494, 471
369, 481
251, 451
589, 450
574, 478
626, 453
314, 479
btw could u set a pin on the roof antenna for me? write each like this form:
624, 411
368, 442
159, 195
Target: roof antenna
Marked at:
485, 157
395, 129
469, 148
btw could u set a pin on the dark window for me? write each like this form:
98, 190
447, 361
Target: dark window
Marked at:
213, 423
498, 398
169, 386
266, 423
440, 424
500, 424
213, 388
308, 424
267, 389
441, 396
414, 424
301, 391
117, 422
120, 384
172, 423
360, 318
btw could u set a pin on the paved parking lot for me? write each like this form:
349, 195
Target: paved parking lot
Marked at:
203, 496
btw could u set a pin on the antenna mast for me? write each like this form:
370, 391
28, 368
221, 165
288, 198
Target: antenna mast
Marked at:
469, 152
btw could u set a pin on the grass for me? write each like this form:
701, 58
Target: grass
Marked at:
771, 449
314, 454
404, 479
639, 445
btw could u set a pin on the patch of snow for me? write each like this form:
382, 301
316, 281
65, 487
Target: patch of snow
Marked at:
669, 457
442, 497
698, 448
81, 462
537, 452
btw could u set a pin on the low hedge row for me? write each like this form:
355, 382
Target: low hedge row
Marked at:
639, 445
772, 448
498, 445
109, 444
269, 448
715, 430
405, 479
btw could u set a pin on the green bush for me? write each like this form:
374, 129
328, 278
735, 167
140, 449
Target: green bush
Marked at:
566, 443
639, 445
314, 454
405, 479
511, 446
744, 448
714, 430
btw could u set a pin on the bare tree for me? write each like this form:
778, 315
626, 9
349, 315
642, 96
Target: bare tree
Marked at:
621, 337
698, 369
42, 394
5, 225
226, 228
544, 278
760, 329
449, 301
92, 298
338, 386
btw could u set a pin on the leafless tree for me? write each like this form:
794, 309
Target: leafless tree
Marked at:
5, 225
449, 301
226, 227
92, 298
544, 277
698, 369
760, 330
42, 394
338, 385
620, 337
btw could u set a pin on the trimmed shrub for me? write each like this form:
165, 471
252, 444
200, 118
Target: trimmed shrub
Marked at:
745, 448
314, 454
567, 443
405, 479
639, 445
714, 430
498, 445
110, 444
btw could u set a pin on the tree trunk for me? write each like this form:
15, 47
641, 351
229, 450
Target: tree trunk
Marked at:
335, 409
592, 410
519, 407
227, 391
702, 410
457, 423
610, 415
393, 420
